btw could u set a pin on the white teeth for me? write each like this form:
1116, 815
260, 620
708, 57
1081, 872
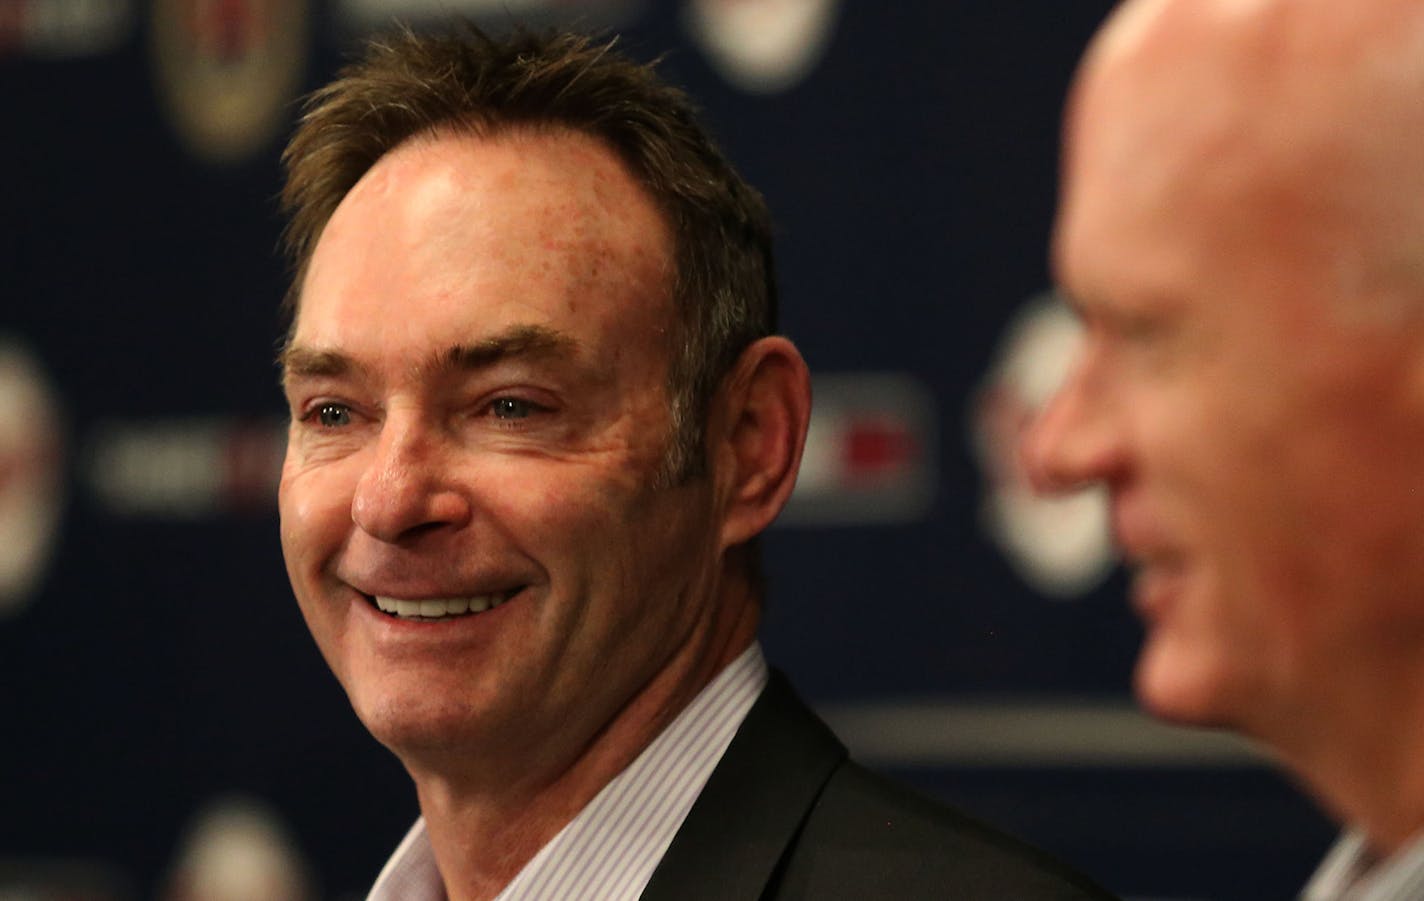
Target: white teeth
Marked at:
440, 607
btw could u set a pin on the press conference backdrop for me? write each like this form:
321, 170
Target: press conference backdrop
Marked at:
162, 709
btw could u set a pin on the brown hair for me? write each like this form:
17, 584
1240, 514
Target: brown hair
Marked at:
404, 85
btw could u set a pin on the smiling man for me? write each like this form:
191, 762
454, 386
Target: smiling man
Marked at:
539, 415
1242, 230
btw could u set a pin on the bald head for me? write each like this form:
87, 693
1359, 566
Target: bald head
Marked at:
1343, 45
1242, 229
1303, 119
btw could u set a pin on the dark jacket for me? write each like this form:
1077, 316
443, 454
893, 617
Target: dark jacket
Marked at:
787, 815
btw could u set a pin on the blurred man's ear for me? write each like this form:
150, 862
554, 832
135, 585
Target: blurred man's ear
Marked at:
756, 433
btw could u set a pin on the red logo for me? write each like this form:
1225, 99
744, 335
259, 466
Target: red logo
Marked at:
870, 452
227, 70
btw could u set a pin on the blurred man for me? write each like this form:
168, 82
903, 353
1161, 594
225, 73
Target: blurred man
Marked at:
1242, 230
539, 416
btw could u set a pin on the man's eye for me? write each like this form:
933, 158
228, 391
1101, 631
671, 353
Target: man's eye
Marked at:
333, 415
511, 408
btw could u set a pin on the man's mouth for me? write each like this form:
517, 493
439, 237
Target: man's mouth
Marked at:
1155, 583
437, 609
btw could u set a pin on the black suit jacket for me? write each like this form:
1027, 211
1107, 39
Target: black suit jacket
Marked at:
787, 815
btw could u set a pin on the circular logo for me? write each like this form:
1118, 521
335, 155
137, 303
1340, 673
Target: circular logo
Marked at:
762, 46
31, 483
226, 71
1062, 544
238, 848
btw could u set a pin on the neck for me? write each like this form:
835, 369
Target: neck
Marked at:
1359, 747
485, 825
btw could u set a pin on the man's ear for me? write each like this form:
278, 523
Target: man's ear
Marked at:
758, 432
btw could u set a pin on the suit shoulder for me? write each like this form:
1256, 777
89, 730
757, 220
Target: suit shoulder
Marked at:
869, 837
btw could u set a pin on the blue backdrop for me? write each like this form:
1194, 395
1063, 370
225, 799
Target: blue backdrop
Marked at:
152, 659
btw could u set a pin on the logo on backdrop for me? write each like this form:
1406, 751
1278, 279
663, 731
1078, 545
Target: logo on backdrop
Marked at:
227, 71
1060, 545
588, 15
63, 29
186, 468
31, 480
869, 454
238, 847
762, 46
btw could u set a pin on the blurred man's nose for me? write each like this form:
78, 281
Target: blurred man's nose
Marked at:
1075, 441
410, 486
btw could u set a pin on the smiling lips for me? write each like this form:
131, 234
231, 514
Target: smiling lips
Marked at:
1158, 565
441, 608
1156, 583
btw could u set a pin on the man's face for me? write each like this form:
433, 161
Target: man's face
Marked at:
477, 383
1260, 441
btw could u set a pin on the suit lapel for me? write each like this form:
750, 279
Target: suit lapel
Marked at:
752, 806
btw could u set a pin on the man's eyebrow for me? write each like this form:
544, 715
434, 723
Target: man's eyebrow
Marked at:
517, 341
296, 360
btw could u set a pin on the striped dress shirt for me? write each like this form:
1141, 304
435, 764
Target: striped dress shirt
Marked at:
610, 849
1350, 872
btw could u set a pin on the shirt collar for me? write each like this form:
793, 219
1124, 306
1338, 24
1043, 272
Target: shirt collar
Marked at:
612, 846
1352, 872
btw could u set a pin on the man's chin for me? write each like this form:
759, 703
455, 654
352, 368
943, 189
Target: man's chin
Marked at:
1180, 688
417, 727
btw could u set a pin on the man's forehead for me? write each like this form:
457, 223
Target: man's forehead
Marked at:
1190, 95
481, 174
445, 206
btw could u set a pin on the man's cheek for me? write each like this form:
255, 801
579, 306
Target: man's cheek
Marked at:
315, 495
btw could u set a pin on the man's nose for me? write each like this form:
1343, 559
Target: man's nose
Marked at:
410, 486
1075, 441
